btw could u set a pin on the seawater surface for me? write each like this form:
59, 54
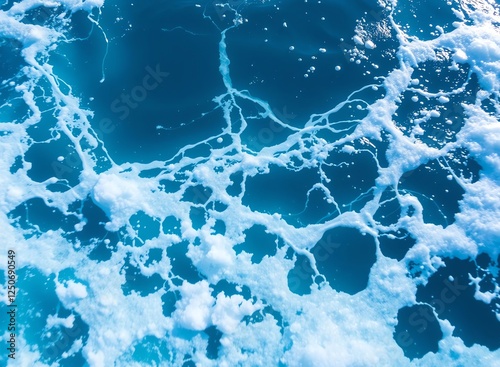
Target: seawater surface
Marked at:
251, 183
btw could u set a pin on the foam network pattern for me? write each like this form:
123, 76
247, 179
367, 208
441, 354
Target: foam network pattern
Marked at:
171, 263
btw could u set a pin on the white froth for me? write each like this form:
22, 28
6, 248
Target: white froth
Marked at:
194, 310
323, 328
120, 196
229, 311
53, 321
71, 292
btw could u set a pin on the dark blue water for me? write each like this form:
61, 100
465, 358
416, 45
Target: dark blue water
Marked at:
156, 86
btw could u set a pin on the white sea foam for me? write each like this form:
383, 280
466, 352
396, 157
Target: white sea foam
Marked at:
323, 328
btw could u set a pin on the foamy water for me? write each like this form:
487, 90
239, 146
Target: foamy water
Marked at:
319, 186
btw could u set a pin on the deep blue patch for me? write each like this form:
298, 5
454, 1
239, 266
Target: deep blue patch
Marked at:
344, 257
418, 331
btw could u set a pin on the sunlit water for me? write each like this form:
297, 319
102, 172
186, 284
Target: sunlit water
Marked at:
251, 183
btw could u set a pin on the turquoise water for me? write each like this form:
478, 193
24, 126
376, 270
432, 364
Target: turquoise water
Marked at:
251, 182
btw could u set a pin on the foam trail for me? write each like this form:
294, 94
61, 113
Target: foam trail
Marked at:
332, 243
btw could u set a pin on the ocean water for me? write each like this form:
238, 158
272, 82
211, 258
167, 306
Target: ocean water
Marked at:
250, 183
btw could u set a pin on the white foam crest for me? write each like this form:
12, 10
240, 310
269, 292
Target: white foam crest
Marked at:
20, 8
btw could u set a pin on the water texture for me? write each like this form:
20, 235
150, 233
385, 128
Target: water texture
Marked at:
251, 183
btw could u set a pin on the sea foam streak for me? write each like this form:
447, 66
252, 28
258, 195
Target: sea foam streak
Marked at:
135, 272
